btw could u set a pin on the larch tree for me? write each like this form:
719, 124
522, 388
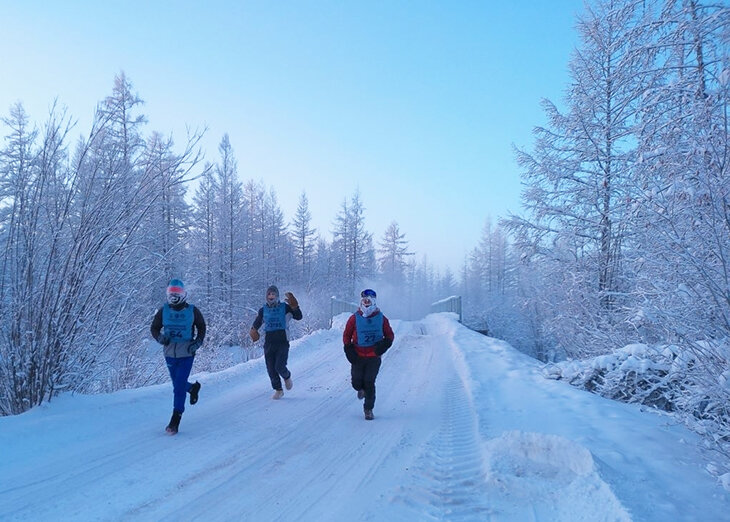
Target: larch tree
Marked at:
352, 245
393, 254
579, 178
277, 245
255, 238
304, 239
201, 238
229, 238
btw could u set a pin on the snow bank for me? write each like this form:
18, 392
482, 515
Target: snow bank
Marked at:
556, 476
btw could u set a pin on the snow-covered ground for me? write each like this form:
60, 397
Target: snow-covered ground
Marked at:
466, 428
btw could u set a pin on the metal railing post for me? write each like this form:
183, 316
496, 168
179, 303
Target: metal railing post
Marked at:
449, 304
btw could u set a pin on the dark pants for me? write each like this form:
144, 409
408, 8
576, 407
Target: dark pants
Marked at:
276, 356
364, 372
179, 369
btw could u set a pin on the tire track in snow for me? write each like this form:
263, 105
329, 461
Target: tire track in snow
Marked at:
515, 477
450, 472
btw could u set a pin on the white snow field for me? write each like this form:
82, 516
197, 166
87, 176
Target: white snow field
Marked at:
466, 428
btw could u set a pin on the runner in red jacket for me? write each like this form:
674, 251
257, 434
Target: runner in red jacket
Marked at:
367, 336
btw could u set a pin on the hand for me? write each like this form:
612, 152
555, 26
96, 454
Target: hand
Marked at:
163, 339
194, 345
351, 353
292, 300
382, 346
254, 333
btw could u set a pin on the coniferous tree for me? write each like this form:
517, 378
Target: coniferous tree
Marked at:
392, 255
254, 238
228, 237
202, 238
167, 223
303, 237
684, 205
278, 252
353, 245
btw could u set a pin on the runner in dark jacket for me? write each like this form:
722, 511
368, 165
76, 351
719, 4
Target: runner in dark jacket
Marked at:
274, 316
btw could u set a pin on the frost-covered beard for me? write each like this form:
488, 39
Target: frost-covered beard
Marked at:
368, 309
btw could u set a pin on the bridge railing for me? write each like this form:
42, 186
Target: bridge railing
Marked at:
448, 304
338, 306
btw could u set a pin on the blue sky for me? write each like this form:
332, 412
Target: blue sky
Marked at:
415, 104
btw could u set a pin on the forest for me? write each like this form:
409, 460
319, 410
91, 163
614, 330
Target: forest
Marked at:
624, 238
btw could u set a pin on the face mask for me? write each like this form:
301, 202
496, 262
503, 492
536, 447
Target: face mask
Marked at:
367, 306
174, 298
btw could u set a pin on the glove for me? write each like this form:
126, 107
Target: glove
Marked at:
194, 346
163, 339
351, 353
292, 300
254, 333
382, 346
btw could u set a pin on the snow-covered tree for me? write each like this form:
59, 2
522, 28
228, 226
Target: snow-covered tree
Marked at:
304, 239
392, 255
229, 239
579, 177
73, 235
683, 273
352, 245
201, 238
278, 251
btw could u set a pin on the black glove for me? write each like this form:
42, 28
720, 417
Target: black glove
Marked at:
382, 346
163, 339
351, 353
194, 346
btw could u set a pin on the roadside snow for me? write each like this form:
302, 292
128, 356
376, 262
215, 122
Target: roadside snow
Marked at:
466, 428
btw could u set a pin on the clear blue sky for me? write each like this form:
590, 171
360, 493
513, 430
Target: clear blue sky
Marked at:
416, 104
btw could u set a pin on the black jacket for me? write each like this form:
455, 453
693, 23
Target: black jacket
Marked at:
276, 336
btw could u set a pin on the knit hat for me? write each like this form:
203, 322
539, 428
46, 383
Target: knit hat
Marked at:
274, 290
176, 293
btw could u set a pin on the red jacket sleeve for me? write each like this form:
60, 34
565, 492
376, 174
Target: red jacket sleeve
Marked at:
387, 330
350, 334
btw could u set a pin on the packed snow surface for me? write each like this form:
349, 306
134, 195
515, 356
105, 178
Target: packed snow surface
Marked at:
466, 428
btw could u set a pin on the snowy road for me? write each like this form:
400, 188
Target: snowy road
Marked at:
465, 429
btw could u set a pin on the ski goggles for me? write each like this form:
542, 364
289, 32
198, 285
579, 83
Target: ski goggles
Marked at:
368, 293
179, 290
